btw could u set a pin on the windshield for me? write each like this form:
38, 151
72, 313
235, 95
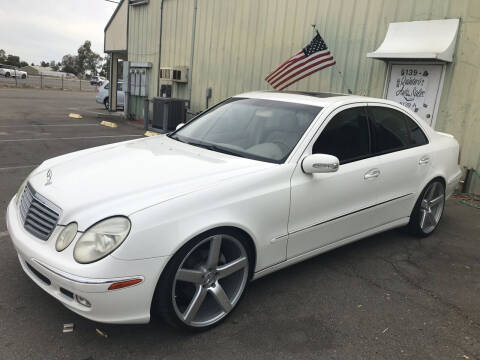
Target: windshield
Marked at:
259, 129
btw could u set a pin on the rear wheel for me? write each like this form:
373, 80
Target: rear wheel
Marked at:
204, 281
428, 210
24, 76
7, 74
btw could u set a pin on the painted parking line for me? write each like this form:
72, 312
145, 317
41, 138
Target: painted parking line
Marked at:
72, 138
18, 167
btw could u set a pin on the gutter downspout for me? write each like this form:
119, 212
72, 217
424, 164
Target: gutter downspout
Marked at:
160, 49
192, 50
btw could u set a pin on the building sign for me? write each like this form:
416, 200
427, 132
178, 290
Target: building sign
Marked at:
416, 86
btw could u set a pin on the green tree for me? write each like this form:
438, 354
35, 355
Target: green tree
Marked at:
69, 64
13, 60
105, 70
23, 63
3, 56
87, 59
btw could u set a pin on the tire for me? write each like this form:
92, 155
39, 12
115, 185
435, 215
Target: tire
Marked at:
428, 209
24, 76
204, 281
106, 103
7, 75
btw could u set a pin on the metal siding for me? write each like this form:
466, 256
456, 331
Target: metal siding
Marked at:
116, 32
143, 46
238, 43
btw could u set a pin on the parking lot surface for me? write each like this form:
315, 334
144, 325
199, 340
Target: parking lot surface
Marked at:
389, 296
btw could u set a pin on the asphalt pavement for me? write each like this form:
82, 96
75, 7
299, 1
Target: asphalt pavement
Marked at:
389, 296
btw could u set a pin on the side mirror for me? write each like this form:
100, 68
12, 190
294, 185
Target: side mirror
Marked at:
320, 163
179, 126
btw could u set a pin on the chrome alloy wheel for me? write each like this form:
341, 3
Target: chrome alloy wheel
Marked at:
431, 207
210, 280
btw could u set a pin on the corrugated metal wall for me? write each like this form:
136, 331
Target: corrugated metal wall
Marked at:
143, 45
238, 42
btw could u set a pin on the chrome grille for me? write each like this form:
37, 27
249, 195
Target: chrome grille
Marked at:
39, 216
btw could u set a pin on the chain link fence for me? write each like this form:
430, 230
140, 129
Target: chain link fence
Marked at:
48, 82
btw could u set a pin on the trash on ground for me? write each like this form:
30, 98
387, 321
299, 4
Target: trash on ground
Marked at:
101, 333
67, 328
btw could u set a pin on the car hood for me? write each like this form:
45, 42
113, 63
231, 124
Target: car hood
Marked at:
123, 178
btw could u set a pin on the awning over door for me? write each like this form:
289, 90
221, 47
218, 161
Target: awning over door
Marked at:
432, 39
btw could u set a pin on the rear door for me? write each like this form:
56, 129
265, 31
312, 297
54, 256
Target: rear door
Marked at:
403, 154
329, 207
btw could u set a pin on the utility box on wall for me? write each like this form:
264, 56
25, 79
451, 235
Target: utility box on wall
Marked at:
138, 82
138, 78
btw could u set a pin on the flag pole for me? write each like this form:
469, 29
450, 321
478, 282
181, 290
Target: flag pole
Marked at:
314, 27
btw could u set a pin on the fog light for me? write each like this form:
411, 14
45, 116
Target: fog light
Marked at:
83, 301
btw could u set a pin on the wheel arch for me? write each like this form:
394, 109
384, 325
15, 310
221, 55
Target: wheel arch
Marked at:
228, 229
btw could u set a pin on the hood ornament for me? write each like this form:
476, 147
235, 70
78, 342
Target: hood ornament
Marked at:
49, 177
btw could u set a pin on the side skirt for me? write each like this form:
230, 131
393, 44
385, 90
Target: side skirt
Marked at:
323, 249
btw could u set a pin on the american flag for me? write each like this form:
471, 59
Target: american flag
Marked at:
312, 58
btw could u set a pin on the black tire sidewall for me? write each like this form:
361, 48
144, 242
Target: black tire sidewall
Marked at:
106, 103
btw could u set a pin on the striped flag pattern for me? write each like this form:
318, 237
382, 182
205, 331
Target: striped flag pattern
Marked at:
312, 58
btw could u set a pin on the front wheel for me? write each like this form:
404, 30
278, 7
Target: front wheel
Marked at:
24, 76
7, 74
106, 103
428, 210
204, 281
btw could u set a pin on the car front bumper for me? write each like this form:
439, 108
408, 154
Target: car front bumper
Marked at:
49, 271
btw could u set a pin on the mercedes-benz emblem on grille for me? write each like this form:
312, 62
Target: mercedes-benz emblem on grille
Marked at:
49, 177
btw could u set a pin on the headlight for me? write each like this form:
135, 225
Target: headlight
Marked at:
66, 236
101, 239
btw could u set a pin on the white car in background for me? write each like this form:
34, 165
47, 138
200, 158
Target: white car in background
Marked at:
12, 71
102, 96
178, 224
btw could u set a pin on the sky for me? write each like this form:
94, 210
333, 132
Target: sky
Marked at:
39, 30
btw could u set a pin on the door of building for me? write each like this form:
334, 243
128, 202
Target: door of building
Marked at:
417, 86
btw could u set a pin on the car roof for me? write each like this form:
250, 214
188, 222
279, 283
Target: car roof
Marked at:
321, 99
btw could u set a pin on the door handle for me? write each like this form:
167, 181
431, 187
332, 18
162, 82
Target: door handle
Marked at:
424, 160
370, 174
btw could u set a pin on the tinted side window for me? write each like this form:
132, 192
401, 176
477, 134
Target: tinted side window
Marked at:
390, 130
346, 136
417, 136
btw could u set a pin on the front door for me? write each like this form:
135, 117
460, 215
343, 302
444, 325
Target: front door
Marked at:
329, 207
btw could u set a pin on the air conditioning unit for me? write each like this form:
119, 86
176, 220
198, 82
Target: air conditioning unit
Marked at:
168, 113
177, 73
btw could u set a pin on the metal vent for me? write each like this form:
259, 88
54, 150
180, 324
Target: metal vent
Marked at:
39, 216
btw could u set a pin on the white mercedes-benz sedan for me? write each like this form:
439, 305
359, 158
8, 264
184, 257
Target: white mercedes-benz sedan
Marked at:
178, 224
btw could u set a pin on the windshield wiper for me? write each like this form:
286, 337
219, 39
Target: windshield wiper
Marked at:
214, 147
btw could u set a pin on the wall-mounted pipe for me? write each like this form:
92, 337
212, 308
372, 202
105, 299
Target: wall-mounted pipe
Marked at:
192, 51
160, 48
